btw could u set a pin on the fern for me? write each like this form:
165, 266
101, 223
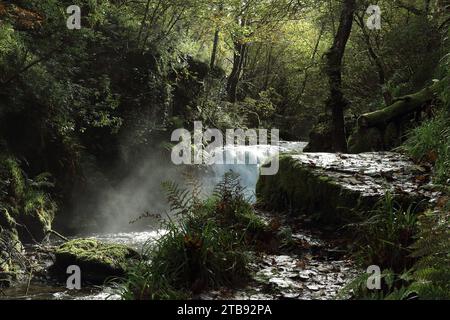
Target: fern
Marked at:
183, 201
432, 271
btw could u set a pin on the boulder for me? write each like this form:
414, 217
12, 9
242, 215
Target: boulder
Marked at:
370, 139
330, 187
98, 261
320, 136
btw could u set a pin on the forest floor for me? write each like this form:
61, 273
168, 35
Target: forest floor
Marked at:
311, 264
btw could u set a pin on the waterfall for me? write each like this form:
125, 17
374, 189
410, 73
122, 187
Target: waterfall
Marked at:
254, 155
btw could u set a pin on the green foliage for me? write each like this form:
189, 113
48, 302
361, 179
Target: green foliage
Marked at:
206, 247
431, 142
385, 235
428, 278
393, 287
432, 248
23, 196
232, 207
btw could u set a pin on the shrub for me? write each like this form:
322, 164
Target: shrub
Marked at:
428, 277
431, 142
385, 236
432, 248
205, 247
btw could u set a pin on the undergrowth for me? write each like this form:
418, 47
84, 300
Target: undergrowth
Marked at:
21, 196
206, 245
384, 237
412, 250
430, 143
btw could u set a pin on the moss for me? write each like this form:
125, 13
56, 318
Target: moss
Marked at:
26, 200
38, 205
6, 221
97, 261
365, 140
320, 137
16, 175
302, 189
10, 253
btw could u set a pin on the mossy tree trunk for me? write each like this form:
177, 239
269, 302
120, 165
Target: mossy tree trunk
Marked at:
212, 63
233, 80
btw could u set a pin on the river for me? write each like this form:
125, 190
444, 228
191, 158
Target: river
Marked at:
322, 276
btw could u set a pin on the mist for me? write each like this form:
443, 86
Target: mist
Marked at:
111, 207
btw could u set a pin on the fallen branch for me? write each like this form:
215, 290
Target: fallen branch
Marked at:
50, 231
400, 107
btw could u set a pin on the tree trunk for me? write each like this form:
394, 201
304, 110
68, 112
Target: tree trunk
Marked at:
378, 61
268, 70
238, 61
214, 50
235, 75
336, 101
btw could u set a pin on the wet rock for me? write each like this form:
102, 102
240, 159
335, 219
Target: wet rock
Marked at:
290, 295
98, 261
331, 186
313, 287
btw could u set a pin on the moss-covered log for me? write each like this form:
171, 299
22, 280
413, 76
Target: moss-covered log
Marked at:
400, 107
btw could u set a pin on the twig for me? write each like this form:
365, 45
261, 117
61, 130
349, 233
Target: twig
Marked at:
57, 234
30, 275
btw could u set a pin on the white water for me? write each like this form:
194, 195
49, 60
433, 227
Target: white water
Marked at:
141, 191
255, 157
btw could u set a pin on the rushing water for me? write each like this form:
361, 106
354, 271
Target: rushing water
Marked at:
254, 157
38, 289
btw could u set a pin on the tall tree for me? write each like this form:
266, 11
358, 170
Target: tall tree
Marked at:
336, 101
240, 47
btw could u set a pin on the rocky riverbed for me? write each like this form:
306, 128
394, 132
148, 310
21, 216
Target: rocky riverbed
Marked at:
309, 265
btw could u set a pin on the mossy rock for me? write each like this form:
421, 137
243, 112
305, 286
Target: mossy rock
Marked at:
26, 207
320, 137
334, 189
366, 140
6, 221
298, 189
98, 261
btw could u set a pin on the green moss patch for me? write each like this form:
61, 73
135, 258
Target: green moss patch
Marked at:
98, 261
